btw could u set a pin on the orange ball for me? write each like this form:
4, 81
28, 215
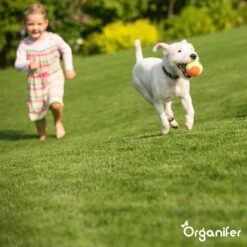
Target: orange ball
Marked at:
194, 68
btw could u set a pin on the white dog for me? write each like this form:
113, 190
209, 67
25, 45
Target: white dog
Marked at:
159, 81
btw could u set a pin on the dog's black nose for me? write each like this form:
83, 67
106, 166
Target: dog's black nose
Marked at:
193, 56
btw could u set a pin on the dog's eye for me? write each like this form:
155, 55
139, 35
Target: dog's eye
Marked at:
179, 50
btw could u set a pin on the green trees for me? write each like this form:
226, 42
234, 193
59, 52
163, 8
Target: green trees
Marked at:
74, 20
78, 20
10, 28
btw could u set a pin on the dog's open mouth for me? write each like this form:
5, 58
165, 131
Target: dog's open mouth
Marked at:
182, 67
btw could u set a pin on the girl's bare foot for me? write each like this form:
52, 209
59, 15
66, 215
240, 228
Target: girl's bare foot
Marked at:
40, 125
57, 111
42, 138
60, 132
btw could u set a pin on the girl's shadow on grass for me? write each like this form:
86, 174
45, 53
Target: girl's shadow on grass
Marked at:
15, 135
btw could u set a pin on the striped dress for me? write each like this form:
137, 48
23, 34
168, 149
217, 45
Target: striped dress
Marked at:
46, 84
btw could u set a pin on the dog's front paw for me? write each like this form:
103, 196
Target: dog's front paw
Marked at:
189, 124
164, 131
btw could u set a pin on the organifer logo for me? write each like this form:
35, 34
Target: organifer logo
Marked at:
203, 233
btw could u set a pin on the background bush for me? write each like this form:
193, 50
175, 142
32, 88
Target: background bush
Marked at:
225, 14
192, 21
205, 17
118, 36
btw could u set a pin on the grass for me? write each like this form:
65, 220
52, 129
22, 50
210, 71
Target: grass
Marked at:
113, 181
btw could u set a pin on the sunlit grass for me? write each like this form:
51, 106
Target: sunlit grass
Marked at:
113, 180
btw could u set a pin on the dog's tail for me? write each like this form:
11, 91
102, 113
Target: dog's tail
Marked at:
138, 48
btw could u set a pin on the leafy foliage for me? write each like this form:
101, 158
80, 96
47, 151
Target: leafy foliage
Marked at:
71, 19
10, 28
117, 36
190, 22
224, 15
77, 20
205, 17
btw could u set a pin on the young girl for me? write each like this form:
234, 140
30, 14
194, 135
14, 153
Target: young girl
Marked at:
39, 55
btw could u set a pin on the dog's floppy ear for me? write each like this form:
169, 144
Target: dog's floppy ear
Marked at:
160, 46
184, 41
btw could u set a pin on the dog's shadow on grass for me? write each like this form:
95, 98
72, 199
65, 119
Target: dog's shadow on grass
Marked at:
149, 136
15, 135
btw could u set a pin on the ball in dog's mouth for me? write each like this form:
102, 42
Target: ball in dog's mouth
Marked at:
182, 67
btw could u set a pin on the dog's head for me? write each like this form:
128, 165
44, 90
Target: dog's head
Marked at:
177, 56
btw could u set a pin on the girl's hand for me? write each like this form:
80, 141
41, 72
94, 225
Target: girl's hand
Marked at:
33, 65
70, 74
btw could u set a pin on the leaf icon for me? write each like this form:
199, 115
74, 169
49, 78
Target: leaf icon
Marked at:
186, 223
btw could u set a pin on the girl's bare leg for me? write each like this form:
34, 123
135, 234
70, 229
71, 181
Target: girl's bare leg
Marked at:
40, 126
57, 112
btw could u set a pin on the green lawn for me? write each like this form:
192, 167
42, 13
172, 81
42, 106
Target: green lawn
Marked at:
113, 181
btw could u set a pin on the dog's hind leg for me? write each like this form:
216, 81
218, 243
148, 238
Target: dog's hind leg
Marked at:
142, 90
159, 107
170, 116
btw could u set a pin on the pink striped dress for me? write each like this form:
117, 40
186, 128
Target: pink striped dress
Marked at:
46, 84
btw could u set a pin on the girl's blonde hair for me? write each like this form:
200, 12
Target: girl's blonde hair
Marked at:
36, 8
